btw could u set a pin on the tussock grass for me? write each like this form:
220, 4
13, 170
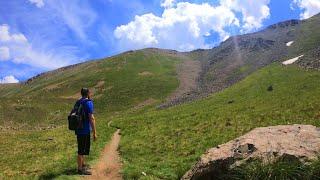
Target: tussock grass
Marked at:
289, 169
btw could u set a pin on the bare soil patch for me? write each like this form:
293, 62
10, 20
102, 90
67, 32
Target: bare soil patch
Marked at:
54, 86
145, 103
100, 84
145, 73
74, 96
97, 91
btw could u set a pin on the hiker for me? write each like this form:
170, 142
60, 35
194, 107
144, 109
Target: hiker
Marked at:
86, 125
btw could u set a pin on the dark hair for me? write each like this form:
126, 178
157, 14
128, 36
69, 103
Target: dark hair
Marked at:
84, 92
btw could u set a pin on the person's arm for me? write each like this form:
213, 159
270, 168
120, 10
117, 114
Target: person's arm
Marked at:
93, 126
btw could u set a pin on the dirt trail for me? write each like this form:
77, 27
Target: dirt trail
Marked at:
109, 164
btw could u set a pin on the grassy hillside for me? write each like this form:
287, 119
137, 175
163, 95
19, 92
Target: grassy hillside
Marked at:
118, 83
306, 36
165, 143
42, 146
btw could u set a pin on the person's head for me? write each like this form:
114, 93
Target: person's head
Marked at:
85, 93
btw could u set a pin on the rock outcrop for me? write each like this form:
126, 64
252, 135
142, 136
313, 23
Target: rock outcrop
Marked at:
311, 60
267, 143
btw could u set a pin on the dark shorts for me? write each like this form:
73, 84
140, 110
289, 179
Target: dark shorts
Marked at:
83, 144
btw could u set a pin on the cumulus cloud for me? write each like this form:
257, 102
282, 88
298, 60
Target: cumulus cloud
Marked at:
16, 48
38, 3
182, 27
167, 3
309, 7
6, 37
253, 12
4, 53
8, 79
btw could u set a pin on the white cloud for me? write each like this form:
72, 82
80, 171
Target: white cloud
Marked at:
309, 7
167, 3
77, 15
56, 38
21, 51
8, 79
4, 53
182, 27
38, 3
253, 12
6, 37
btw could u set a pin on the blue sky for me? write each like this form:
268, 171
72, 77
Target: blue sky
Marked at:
41, 35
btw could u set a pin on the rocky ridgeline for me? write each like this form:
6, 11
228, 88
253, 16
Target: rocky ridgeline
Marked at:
300, 142
285, 24
50, 73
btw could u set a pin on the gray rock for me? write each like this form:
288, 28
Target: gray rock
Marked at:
267, 143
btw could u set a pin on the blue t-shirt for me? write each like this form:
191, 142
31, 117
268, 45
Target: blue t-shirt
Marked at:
88, 109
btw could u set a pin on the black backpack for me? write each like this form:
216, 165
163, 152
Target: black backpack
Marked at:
77, 115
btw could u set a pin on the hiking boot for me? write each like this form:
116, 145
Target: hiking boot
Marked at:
84, 172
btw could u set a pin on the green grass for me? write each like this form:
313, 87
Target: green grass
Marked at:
162, 143
165, 143
27, 152
45, 154
307, 37
282, 168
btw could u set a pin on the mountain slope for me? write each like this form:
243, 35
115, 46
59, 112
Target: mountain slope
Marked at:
239, 56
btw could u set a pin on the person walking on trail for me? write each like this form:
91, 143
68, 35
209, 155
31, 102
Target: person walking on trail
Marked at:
86, 125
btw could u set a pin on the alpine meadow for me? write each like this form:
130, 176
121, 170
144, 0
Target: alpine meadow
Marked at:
174, 112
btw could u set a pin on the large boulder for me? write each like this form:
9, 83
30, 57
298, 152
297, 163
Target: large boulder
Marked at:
295, 141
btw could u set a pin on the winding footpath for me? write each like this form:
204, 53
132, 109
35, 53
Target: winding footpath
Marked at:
109, 164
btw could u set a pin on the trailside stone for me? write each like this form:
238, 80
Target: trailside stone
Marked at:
266, 143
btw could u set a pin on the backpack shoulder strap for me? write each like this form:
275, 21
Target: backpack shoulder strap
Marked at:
75, 106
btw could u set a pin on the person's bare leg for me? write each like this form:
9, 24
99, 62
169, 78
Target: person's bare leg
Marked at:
80, 162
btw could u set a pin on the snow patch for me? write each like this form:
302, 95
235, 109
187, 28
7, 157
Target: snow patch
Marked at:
289, 43
290, 61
